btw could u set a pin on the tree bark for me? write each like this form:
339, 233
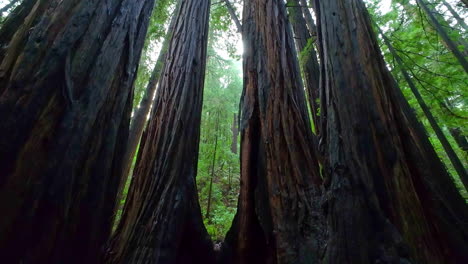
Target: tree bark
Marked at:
308, 18
140, 117
162, 221
66, 81
390, 199
235, 134
274, 221
307, 57
454, 159
445, 37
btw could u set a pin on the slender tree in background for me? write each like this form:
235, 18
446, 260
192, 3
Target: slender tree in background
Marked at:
451, 45
162, 222
307, 57
389, 193
278, 164
456, 162
460, 139
66, 78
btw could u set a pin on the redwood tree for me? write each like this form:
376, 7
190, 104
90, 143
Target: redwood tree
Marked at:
66, 78
274, 222
389, 199
162, 221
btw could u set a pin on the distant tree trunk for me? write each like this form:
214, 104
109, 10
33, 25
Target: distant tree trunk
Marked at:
274, 221
455, 14
443, 34
235, 134
66, 78
232, 13
140, 117
390, 198
162, 221
454, 159
308, 18
213, 163
307, 57
460, 139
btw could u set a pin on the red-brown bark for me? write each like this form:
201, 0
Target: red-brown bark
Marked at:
162, 221
65, 99
278, 165
390, 198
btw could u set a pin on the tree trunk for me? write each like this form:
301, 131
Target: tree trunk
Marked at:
307, 57
445, 37
274, 221
208, 207
235, 134
140, 116
233, 15
460, 139
66, 81
308, 18
454, 159
390, 198
162, 221
455, 14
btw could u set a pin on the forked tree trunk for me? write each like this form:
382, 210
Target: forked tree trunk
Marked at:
66, 81
140, 118
390, 198
454, 159
162, 221
307, 57
274, 222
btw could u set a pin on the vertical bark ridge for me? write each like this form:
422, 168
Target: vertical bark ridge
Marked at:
65, 104
162, 221
389, 193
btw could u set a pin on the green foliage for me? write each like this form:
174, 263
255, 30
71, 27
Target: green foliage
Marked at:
223, 86
439, 77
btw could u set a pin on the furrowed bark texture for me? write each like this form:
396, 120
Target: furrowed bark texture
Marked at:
140, 117
385, 177
307, 58
65, 99
274, 221
162, 221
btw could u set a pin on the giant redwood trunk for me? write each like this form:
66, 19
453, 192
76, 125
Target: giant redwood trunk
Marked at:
162, 221
66, 78
274, 221
390, 198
